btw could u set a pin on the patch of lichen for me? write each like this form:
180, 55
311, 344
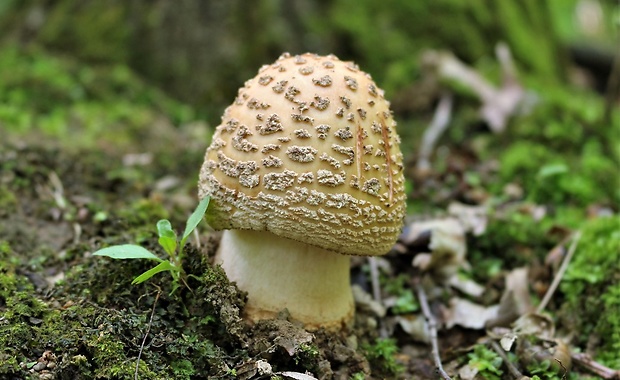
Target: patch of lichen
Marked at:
591, 290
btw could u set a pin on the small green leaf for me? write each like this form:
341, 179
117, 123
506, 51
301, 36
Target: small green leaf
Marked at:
161, 267
195, 219
164, 229
169, 245
167, 236
127, 251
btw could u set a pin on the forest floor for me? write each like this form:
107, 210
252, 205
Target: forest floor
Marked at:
491, 222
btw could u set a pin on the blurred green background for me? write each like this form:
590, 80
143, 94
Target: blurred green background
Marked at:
200, 52
109, 73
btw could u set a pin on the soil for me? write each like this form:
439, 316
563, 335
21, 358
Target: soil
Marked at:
79, 314
70, 315
520, 199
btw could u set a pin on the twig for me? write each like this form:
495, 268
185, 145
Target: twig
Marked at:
432, 327
498, 103
563, 367
585, 361
514, 371
146, 334
560, 274
441, 119
376, 291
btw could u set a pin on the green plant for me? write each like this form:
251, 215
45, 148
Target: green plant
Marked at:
590, 285
168, 240
406, 302
486, 361
543, 370
381, 355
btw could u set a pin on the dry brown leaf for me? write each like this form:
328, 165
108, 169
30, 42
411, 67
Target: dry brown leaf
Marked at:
474, 219
447, 246
467, 314
539, 325
364, 301
296, 375
415, 326
467, 286
515, 301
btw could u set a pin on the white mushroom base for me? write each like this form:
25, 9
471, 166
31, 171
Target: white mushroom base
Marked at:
278, 273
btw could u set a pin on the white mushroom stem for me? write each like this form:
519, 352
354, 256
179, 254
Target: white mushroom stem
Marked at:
312, 283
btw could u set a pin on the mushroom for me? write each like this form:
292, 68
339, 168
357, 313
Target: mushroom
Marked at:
304, 170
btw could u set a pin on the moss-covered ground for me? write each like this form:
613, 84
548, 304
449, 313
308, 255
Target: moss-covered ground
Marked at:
94, 156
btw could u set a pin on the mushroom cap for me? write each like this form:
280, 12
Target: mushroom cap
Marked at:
309, 151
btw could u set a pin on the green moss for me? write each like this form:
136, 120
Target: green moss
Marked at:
61, 98
565, 131
8, 201
307, 357
592, 291
183, 369
512, 238
398, 286
556, 177
142, 215
92, 341
486, 361
19, 310
381, 355
94, 32
16, 298
609, 326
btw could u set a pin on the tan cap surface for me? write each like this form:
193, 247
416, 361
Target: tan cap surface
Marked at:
308, 151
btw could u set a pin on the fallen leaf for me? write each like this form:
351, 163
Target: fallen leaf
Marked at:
539, 325
364, 301
474, 219
466, 285
508, 340
415, 326
296, 375
467, 314
447, 246
515, 300
468, 372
